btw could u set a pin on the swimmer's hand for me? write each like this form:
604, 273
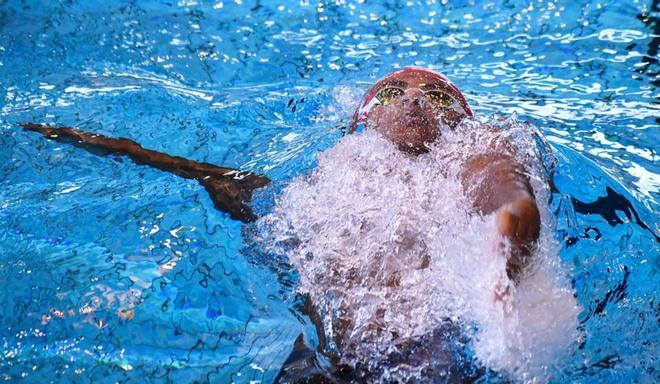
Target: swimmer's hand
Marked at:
233, 195
230, 189
520, 222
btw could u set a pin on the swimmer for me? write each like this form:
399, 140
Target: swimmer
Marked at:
411, 108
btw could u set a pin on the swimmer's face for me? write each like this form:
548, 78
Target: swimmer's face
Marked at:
410, 109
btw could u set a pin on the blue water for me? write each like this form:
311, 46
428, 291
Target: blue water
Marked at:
114, 272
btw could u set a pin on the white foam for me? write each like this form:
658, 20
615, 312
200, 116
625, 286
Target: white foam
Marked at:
387, 241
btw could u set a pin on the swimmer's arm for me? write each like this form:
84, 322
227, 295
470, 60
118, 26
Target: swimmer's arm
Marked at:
229, 188
495, 182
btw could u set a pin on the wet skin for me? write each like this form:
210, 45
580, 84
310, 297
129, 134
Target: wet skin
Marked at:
494, 182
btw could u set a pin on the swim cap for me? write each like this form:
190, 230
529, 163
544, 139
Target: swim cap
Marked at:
367, 103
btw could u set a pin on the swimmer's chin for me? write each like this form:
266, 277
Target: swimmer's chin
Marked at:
415, 149
414, 141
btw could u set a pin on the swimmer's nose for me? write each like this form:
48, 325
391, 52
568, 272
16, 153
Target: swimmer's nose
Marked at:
413, 96
413, 100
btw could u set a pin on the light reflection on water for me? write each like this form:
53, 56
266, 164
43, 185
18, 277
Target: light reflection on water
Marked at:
263, 86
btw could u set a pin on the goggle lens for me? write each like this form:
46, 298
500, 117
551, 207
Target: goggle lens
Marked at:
387, 95
440, 98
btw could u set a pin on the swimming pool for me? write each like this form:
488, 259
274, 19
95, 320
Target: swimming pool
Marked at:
113, 272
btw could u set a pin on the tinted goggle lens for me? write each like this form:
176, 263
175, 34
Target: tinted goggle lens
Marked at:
387, 95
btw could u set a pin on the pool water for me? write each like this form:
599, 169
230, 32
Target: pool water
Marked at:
113, 272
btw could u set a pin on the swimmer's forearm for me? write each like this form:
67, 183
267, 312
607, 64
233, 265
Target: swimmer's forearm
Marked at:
230, 189
120, 146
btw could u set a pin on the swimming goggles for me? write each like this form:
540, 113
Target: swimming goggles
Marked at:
439, 98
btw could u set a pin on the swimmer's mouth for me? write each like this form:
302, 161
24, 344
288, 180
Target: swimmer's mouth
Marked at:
415, 118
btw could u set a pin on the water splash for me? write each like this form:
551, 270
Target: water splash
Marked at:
389, 250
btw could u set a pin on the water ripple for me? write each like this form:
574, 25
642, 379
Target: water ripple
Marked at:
264, 86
